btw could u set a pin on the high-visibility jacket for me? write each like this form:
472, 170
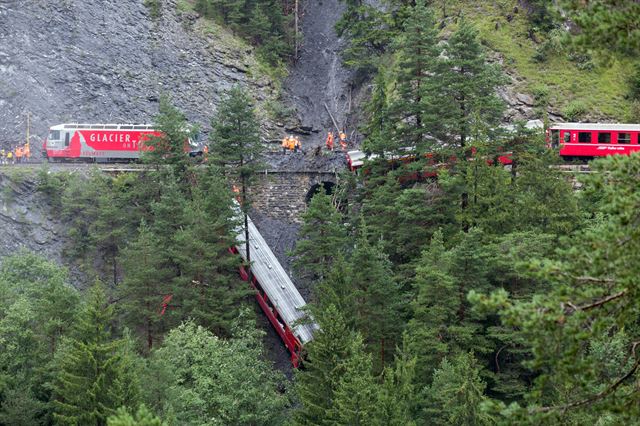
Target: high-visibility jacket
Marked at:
9, 155
18, 152
343, 136
285, 143
26, 151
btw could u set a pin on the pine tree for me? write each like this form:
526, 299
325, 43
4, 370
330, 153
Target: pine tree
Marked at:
147, 281
464, 97
354, 398
378, 300
322, 236
208, 288
169, 147
456, 394
94, 372
418, 52
396, 401
142, 417
323, 368
236, 147
434, 310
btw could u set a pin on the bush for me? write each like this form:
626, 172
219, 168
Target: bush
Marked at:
154, 7
634, 84
574, 110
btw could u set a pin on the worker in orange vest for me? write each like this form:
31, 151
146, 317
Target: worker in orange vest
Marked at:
27, 151
343, 140
18, 154
205, 152
286, 144
330, 141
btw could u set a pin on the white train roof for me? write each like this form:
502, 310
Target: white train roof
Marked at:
595, 126
275, 282
102, 126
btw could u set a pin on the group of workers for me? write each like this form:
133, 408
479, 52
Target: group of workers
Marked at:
342, 138
19, 154
291, 143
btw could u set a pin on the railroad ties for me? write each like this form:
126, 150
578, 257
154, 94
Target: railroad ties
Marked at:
275, 292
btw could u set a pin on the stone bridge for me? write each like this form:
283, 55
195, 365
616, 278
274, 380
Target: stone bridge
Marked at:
284, 195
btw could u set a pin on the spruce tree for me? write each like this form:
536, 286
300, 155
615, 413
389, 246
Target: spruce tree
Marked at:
236, 147
434, 310
94, 372
456, 393
322, 236
208, 288
169, 147
418, 52
147, 281
464, 95
354, 400
378, 300
323, 368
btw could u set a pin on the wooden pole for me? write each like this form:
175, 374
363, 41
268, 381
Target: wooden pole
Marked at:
332, 119
28, 125
295, 41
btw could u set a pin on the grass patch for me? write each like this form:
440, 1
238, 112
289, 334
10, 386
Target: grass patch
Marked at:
185, 6
600, 86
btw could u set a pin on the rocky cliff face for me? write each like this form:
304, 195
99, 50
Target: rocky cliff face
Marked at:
109, 61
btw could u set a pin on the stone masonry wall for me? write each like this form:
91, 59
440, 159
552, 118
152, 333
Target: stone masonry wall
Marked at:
283, 195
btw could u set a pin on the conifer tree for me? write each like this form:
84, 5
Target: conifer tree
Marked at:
169, 147
147, 281
208, 289
434, 309
236, 147
322, 236
354, 400
94, 372
377, 300
464, 97
456, 394
142, 417
418, 52
323, 368
396, 400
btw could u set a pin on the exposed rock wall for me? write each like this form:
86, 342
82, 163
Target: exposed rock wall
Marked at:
109, 61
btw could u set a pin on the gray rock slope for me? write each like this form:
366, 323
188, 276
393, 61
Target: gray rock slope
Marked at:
109, 61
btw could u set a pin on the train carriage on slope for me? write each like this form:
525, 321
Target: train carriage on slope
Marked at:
590, 140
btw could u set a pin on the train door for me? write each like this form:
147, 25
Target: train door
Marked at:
555, 138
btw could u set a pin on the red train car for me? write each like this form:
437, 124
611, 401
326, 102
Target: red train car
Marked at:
96, 142
589, 140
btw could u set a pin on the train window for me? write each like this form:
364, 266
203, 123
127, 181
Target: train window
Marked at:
567, 137
624, 137
66, 139
584, 137
604, 137
126, 127
54, 135
110, 127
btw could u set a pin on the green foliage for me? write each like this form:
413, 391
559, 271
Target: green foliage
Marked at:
94, 373
155, 8
265, 23
322, 236
169, 147
634, 84
574, 111
589, 306
142, 417
215, 381
456, 394
606, 25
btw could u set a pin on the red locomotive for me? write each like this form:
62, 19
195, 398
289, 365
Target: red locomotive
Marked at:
589, 140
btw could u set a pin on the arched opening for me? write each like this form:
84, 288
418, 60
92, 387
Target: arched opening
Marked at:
327, 187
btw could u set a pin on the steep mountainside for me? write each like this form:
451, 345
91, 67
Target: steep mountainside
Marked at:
109, 61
